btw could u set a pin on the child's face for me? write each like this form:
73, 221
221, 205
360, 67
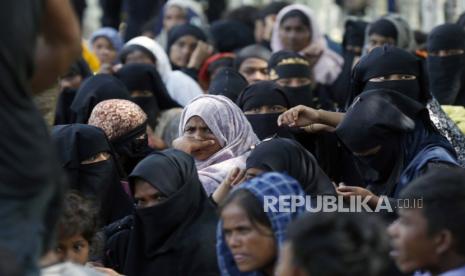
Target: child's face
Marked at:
413, 248
74, 249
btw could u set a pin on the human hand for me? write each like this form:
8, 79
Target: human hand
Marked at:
234, 177
299, 116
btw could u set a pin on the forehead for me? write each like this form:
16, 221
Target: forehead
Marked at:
254, 62
143, 188
196, 121
102, 40
187, 39
294, 21
233, 214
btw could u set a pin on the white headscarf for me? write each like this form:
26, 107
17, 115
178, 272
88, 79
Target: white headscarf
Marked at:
180, 86
329, 65
233, 131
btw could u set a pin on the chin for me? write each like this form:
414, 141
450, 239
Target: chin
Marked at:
247, 267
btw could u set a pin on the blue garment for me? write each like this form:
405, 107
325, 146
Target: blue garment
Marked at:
422, 146
269, 184
111, 34
454, 272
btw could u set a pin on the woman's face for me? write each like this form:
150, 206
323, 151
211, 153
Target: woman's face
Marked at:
74, 249
294, 82
253, 172
181, 50
294, 34
104, 50
253, 246
266, 109
145, 195
173, 16
376, 40
197, 129
138, 57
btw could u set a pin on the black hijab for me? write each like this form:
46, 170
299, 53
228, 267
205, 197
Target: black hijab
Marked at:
128, 49
384, 28
144, 77
260, 94
96, 89
252, 51
447, 74
380, 118
227, 82
231, 35
286, 64
354, 36
387, 60
182, 30
288, 156
101, 181
162, 229
63, 113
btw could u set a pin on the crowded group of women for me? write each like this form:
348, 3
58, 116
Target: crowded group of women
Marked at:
172, 141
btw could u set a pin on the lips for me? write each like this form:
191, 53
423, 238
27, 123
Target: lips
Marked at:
240, 258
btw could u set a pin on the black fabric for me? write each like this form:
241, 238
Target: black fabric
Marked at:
374, 116
175, 237
252, 51
387, 60
384, 28
447, 74
94, 90
461, 20
379, 118
182, 30
288, 156
132, 148
63, 113
133, 48
285, 58
300, 95
145, 77
354, 36
100, 181
227, 82
230, 35
264, 93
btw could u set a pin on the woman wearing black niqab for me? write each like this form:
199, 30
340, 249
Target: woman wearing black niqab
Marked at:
288, 156
175, 234
405, 73
147, 90
94, 90
262, 103
69, 84
446, 64
92, 168
393, 140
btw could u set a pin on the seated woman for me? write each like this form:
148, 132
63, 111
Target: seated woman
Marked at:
262, 103
106, 44
96, 89
410, 79
149, 92
174, 223
125, 125
393, 141
92, 169
180, 86
217, 134
188, 49
288, 156
296, 30
248, 238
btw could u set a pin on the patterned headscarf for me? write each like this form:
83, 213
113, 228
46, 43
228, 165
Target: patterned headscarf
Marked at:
117, 117
230, 127
269, 184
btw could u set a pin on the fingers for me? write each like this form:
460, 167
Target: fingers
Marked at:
289, 117
239, 177
198, 144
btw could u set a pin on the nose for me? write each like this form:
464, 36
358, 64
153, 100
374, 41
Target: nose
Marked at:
234, 241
